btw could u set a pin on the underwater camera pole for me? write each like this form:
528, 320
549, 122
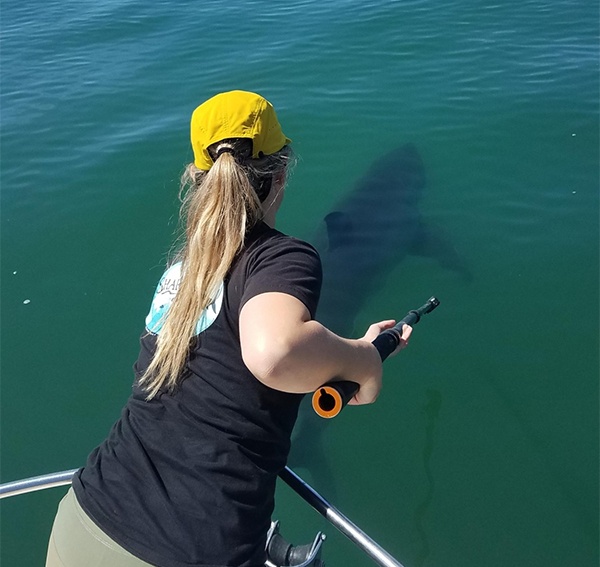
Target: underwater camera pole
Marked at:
338, 520
330, 399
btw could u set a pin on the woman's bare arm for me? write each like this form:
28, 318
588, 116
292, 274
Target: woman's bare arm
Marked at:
288, 351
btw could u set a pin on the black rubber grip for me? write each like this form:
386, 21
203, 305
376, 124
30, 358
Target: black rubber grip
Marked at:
331, 398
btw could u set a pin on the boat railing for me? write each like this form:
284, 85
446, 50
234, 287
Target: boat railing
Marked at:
304, 490
34, 483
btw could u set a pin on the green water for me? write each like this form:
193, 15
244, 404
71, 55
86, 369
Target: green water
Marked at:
483, 447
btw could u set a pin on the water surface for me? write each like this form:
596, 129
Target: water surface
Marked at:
483, 447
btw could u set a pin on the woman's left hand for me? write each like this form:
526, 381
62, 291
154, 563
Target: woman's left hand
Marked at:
377, 328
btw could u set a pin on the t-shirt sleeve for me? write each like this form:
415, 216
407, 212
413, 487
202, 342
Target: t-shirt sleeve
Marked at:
288, 266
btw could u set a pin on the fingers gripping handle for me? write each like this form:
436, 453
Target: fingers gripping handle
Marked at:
330, 399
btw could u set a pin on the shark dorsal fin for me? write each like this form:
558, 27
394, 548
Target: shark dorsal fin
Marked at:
340, 229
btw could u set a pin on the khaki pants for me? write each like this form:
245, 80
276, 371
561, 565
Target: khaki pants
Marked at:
76, 541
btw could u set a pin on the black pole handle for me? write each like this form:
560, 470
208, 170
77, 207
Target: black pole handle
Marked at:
330, 399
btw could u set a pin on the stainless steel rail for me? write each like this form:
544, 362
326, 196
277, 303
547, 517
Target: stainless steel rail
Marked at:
36, 483
338, 520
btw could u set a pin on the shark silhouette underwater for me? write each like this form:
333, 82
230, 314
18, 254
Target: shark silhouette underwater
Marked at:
371, 230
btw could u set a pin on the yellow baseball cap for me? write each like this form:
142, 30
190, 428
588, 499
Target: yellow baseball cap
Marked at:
235, 114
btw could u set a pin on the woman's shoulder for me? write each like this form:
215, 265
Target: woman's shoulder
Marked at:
271, 249
264, 237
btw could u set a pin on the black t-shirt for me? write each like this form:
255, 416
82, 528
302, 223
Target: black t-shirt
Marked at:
188, 478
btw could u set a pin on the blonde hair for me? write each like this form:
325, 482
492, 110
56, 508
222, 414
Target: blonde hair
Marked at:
219, 207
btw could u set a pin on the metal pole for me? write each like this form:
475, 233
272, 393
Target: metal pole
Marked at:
36, 483
337, 519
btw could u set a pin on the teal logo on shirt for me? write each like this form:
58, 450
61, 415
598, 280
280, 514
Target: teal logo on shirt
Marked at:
165, 292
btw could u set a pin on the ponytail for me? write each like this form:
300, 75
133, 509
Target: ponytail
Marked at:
219, 207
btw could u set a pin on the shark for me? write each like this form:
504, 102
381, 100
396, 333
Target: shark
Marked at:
373, 228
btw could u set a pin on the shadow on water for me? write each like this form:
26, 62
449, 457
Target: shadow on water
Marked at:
432, 412
371, 230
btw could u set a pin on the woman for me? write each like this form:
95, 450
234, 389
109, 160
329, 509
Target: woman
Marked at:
187, 475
